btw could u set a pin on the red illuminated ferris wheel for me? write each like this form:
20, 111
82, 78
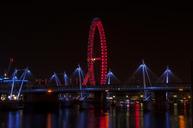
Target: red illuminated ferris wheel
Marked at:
92, 58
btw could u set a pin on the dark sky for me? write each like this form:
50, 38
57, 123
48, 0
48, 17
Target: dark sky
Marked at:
51, 37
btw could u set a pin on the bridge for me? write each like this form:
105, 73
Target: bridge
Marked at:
183, 87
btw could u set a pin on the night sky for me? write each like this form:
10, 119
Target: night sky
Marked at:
49, 37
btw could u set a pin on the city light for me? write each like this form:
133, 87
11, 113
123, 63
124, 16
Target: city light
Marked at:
50, 91
3, 97
141, 96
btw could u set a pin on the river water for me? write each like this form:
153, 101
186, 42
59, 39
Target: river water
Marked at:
177, 117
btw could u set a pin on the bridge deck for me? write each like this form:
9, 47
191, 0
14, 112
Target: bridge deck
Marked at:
110, 88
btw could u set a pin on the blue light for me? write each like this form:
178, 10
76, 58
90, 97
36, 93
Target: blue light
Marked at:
28, 71
5, 78
53, 76
16, 81
110, 73
78, 71
15, 78
168, 70
65, 79
111, 78
141, 66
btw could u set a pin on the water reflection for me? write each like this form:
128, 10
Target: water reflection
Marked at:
181, 118
138, 116
147, 120
168, 122
82, 120
181, 121
64, 118
49, 120
104, 120
14, 119
135, 117
127, 119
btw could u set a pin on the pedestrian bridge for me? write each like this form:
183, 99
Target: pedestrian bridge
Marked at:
182, 87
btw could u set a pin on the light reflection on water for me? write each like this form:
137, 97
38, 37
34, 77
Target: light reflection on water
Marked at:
94, 118
14, 119
49, 120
